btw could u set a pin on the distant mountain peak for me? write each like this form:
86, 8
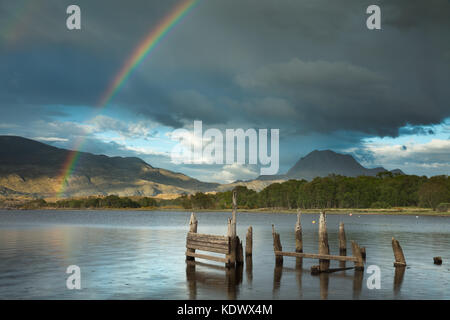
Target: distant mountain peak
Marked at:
321, 163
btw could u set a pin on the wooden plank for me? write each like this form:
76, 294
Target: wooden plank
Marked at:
207, 237
224, 246
207, 248
204, 256
315, 256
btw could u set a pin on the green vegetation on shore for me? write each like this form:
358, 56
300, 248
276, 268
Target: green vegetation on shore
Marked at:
383, 193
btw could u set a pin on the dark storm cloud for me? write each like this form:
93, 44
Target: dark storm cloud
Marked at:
301, 66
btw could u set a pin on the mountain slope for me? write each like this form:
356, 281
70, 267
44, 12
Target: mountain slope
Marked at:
326, 162
33, 167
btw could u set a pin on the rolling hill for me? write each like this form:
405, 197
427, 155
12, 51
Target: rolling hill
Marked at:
31, 167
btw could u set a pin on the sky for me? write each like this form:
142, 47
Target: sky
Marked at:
311, 69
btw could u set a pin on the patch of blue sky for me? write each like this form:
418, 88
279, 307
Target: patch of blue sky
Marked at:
415, 134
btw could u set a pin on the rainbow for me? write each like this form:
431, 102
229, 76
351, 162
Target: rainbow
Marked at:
146, 46
150, 42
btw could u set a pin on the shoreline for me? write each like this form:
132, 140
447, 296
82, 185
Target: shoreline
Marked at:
365, 211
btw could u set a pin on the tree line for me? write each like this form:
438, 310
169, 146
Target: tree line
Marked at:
383, 191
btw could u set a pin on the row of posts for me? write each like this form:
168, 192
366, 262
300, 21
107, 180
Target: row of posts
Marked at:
237, 255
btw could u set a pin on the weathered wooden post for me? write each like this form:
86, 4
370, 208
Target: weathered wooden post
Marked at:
324, 265
249, 242
232, 234
342, 240
298, 239
193, 223
277, 247
233, 217
356, 251
398, 254
298, 234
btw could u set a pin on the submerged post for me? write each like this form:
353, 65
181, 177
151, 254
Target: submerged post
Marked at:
192, 228
398, 254
324, 265
277, 247
249, 242
342, 240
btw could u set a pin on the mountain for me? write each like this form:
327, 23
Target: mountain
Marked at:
326, 162
31, 167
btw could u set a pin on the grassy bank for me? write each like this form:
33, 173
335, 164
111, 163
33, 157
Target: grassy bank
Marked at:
413, 211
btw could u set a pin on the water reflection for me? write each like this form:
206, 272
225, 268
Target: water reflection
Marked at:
277, 274
357, 283
322, 280
123, 255
398, 279
213, 277
249, 269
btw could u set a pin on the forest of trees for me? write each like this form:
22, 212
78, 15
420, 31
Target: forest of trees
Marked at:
111, 201
383, 191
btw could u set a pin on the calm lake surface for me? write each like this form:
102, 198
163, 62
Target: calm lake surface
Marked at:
140, 255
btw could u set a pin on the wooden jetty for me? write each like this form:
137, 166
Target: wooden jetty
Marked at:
323, 256
229, 245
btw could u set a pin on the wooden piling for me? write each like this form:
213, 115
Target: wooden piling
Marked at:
342, 240
398, 254
298, 240
356, 251
323, 242
193, 223
437, 260
249, 242
233, 218
298, 234
277, 246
